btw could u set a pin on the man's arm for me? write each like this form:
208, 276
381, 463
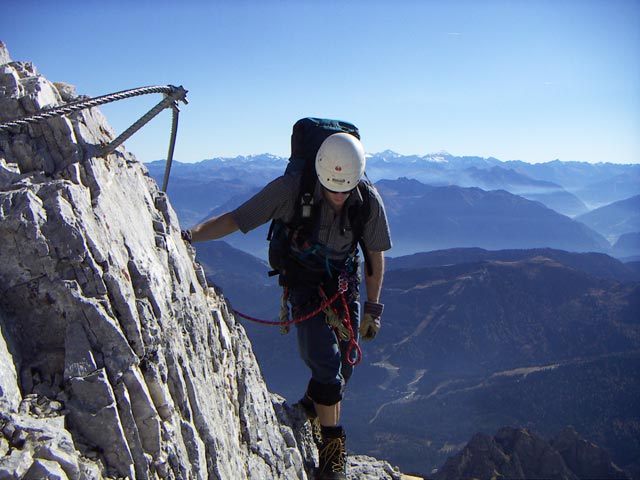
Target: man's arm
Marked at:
214, 228
374, 281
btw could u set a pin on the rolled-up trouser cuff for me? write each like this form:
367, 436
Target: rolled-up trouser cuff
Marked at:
325, 393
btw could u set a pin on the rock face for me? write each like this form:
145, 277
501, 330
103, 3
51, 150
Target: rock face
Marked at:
117, 360
520, 454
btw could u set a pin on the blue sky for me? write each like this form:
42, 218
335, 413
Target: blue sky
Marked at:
531, 80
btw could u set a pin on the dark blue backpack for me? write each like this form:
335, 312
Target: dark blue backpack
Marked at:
306, 138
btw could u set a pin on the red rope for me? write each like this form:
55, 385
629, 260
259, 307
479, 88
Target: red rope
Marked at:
352, 343
315, 312
347, 321
342, 288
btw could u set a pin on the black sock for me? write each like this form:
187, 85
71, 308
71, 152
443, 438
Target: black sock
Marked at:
332, 432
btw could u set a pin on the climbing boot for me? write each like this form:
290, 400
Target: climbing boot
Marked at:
310, 411
332, 455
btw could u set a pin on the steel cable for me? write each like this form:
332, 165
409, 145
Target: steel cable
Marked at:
172, 96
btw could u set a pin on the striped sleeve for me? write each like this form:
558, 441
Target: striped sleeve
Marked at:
376, 235
274, 201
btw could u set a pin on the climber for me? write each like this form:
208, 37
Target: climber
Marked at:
327, 252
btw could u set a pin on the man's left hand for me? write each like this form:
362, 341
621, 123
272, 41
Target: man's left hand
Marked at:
371, 320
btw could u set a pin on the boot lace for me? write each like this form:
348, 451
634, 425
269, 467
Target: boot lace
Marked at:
334, 455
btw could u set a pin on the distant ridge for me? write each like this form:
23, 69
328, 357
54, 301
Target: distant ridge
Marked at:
424, 217
517, 453
596, 264
568, 188
615, 219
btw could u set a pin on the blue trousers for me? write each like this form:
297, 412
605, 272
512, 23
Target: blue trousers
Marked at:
320, 347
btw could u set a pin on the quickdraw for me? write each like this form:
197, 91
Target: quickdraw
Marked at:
343, 286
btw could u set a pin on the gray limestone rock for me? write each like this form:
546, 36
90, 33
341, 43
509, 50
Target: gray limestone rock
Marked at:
362, 467
48, 469
9, 392
4, 54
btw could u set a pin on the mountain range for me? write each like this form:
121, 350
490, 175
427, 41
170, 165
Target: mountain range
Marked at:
424, 217
593, 185
489, 174
594, 264
481, 202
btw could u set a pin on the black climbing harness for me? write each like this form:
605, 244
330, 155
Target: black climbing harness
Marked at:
172, 95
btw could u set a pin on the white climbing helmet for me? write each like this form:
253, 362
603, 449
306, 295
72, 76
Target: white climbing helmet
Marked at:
340, 162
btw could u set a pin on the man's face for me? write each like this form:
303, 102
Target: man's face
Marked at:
336, 199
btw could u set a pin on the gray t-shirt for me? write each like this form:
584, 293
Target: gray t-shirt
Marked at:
277, 201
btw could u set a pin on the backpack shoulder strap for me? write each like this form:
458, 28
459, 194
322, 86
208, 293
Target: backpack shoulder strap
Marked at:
358, 216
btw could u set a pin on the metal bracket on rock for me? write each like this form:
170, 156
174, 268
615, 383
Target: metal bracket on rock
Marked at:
172, 95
